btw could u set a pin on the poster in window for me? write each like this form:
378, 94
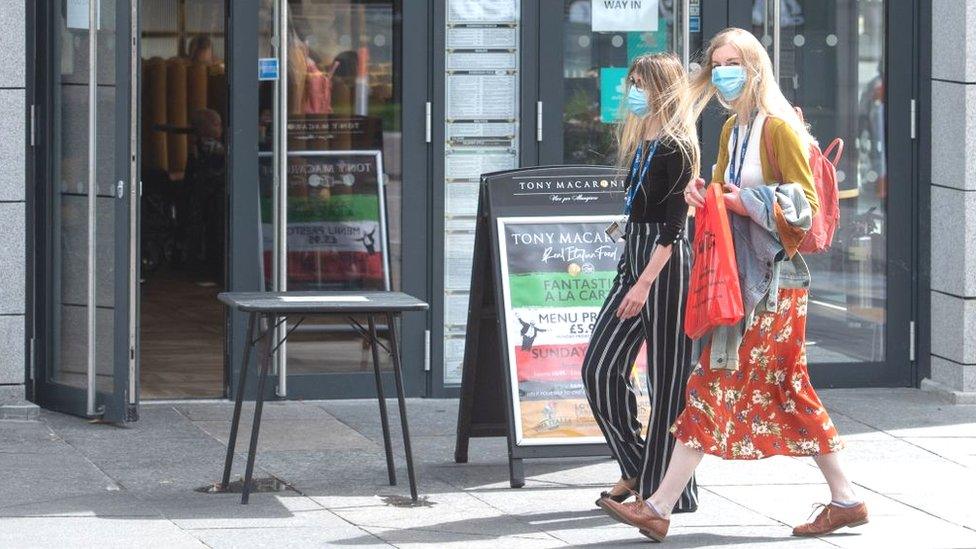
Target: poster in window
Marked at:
336, 231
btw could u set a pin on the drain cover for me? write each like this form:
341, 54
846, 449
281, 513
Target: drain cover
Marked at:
258, 485
404, 501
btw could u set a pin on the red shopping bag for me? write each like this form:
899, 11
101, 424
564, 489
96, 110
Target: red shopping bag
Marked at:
714, 296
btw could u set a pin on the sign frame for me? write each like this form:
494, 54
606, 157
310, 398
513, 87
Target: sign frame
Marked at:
506, 306
380, 191
486, 401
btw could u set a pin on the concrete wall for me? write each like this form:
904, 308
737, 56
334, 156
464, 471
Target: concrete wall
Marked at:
954, 200
12, 209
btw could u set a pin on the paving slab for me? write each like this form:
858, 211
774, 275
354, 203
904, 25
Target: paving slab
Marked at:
285, 435
49, 477
758, 537
286, 538
893, 524
116, 503
420, 537
123, 533
31, 437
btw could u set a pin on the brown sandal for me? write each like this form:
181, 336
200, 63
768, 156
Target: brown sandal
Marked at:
619, 498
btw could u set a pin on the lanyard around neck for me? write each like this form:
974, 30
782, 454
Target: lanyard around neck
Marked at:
737, 173
641, 164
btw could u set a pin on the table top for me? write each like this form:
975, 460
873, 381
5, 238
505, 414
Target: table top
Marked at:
322, 302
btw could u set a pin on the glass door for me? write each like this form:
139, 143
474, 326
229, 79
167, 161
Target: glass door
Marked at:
86, 354
582, 78
831, 59
333, 183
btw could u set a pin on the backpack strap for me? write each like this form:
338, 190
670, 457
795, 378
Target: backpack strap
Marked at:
838, 144
767, 141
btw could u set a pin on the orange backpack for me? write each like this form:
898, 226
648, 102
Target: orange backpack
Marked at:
824, 168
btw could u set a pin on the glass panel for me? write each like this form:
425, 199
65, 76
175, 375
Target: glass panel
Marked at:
70, 220
71, 204
594, 66
106, 202
832, 65
184, 199
344, 179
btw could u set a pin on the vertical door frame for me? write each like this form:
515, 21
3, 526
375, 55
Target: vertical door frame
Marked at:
245, 256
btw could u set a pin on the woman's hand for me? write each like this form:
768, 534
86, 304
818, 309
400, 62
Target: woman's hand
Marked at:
695, 193
635, 299
733, 202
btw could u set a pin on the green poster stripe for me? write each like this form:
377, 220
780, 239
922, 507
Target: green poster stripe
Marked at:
343, 207
560, 289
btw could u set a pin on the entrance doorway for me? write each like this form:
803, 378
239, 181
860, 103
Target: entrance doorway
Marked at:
184, 198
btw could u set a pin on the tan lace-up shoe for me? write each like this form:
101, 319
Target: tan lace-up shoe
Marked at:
832, 518
638, 515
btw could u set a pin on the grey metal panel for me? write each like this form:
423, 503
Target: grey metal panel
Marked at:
416, 213
244, 259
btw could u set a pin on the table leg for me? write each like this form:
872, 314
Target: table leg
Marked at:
398, 377
266, 351
384, 418
239, 399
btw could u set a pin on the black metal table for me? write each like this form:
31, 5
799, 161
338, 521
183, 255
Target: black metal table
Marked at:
275, 308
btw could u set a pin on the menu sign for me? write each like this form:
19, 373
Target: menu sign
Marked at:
556, 273
481, 114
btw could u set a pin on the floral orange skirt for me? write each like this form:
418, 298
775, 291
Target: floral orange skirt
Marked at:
767, 407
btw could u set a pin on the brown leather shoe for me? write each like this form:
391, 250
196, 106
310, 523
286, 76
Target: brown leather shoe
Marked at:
638, 515
832, 518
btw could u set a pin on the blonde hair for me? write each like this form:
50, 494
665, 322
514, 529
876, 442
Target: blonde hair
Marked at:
761, 91
665, 84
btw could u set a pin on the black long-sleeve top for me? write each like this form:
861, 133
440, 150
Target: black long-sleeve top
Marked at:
661, 196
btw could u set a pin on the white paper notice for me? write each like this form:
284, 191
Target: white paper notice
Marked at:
458, 250
461, 198
481, 129
624, 16
481, 61
482, 11
323, 298
479, 37
456, 309
453, 359
470, 166
480, 96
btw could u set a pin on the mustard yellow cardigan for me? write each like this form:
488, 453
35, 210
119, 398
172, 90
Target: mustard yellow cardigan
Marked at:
792, 158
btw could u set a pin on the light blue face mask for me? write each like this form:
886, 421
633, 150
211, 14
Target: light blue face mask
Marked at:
637, 101
729, 80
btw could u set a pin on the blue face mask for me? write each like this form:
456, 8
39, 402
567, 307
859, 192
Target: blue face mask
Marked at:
729, 80
637, 101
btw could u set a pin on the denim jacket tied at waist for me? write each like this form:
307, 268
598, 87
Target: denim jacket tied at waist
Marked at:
760, 256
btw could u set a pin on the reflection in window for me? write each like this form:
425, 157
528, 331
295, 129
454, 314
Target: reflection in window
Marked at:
594, 66
832, 65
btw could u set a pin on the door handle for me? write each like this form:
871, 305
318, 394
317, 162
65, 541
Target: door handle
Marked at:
120, 189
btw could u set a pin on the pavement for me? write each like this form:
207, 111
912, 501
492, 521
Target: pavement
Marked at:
71, 483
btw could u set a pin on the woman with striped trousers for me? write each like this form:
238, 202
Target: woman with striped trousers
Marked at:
646, 301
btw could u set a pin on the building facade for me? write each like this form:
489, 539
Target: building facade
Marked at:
176, 156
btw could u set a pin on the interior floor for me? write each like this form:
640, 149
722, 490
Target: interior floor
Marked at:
182, 337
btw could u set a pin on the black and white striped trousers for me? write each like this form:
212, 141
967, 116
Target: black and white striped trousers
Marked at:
613, 348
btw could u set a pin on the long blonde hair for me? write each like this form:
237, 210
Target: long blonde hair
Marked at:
760, 92
666, 85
